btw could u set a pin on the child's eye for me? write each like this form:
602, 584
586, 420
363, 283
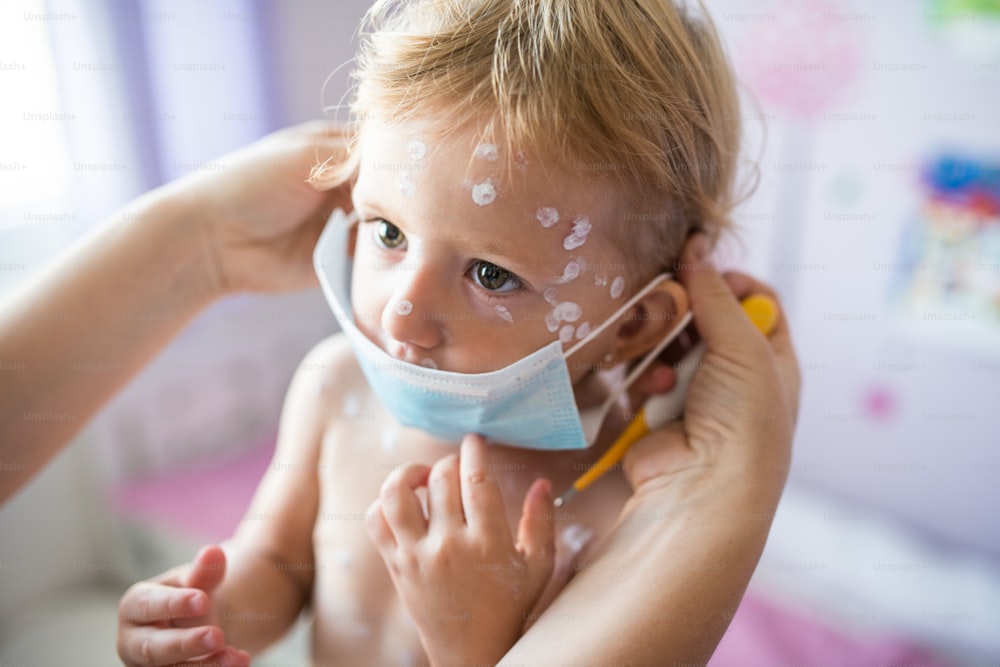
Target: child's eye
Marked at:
494, 278
389, 235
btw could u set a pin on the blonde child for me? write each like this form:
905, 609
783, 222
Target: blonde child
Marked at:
524, 174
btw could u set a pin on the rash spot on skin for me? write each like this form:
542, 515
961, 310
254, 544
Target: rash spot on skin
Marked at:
352, 403
387, 440
417, 150
576, 537
577, 237
406, 184
345, 559
572, 270
487, 152
504, 313
484, 193
617, 287
547, 216
404, 308
567, 311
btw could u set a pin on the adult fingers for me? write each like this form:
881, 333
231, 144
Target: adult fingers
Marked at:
720, 320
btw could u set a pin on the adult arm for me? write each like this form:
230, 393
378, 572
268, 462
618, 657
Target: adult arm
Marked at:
77, 333
663, 587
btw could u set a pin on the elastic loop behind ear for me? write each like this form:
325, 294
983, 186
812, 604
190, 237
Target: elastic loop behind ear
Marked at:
614, 317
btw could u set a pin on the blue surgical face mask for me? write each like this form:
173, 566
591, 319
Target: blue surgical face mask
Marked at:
528, 404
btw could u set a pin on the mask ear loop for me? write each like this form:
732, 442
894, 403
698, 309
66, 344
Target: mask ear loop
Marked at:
592, 420
615, 316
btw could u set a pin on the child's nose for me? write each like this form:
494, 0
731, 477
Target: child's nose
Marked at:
408, 317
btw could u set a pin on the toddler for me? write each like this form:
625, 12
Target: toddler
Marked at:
524, 174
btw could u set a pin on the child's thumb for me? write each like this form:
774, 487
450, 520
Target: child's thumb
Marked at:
536, 531
207, 569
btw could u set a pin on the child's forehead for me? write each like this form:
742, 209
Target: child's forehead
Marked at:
418, 155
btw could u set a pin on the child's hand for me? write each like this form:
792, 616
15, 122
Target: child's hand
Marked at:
172, 620
465, 582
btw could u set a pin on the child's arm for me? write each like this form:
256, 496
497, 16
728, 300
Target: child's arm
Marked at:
464, 580
268, 566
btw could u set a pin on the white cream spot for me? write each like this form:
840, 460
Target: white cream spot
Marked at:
487, 152
416, 149
600, 280
577, 237
429, 363
572, 270
582, 331
352, 403
576, 537
388, 439
504, 313
547, 215
566, 333
344, 558
551, 295
406, 184
551, 322
484, 193
567, 311
617, 287
404, 307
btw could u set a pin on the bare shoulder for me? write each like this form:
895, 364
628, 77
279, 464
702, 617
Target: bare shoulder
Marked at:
326, 373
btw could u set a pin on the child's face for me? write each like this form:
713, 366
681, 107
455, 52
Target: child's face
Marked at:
464, 265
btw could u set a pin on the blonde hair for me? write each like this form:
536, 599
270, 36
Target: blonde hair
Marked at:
638, 91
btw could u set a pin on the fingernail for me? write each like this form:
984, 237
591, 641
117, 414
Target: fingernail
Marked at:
197, 604
699, 246
210, 641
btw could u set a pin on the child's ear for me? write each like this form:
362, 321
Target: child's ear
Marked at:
650, 320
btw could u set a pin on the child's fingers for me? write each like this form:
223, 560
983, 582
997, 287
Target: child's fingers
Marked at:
378, 529
207, 570
536, 538
148, 602
445, 495
152, 645
227, 657
481, 497
401, 506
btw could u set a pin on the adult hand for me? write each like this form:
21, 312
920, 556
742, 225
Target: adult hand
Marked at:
742, 402
259, 215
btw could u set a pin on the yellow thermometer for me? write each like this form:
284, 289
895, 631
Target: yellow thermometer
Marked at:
662, 408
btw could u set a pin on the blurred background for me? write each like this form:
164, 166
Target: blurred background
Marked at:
876, 127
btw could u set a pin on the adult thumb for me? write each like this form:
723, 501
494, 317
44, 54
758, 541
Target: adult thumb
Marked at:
720, 320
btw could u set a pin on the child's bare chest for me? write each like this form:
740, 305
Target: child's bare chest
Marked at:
359, 619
